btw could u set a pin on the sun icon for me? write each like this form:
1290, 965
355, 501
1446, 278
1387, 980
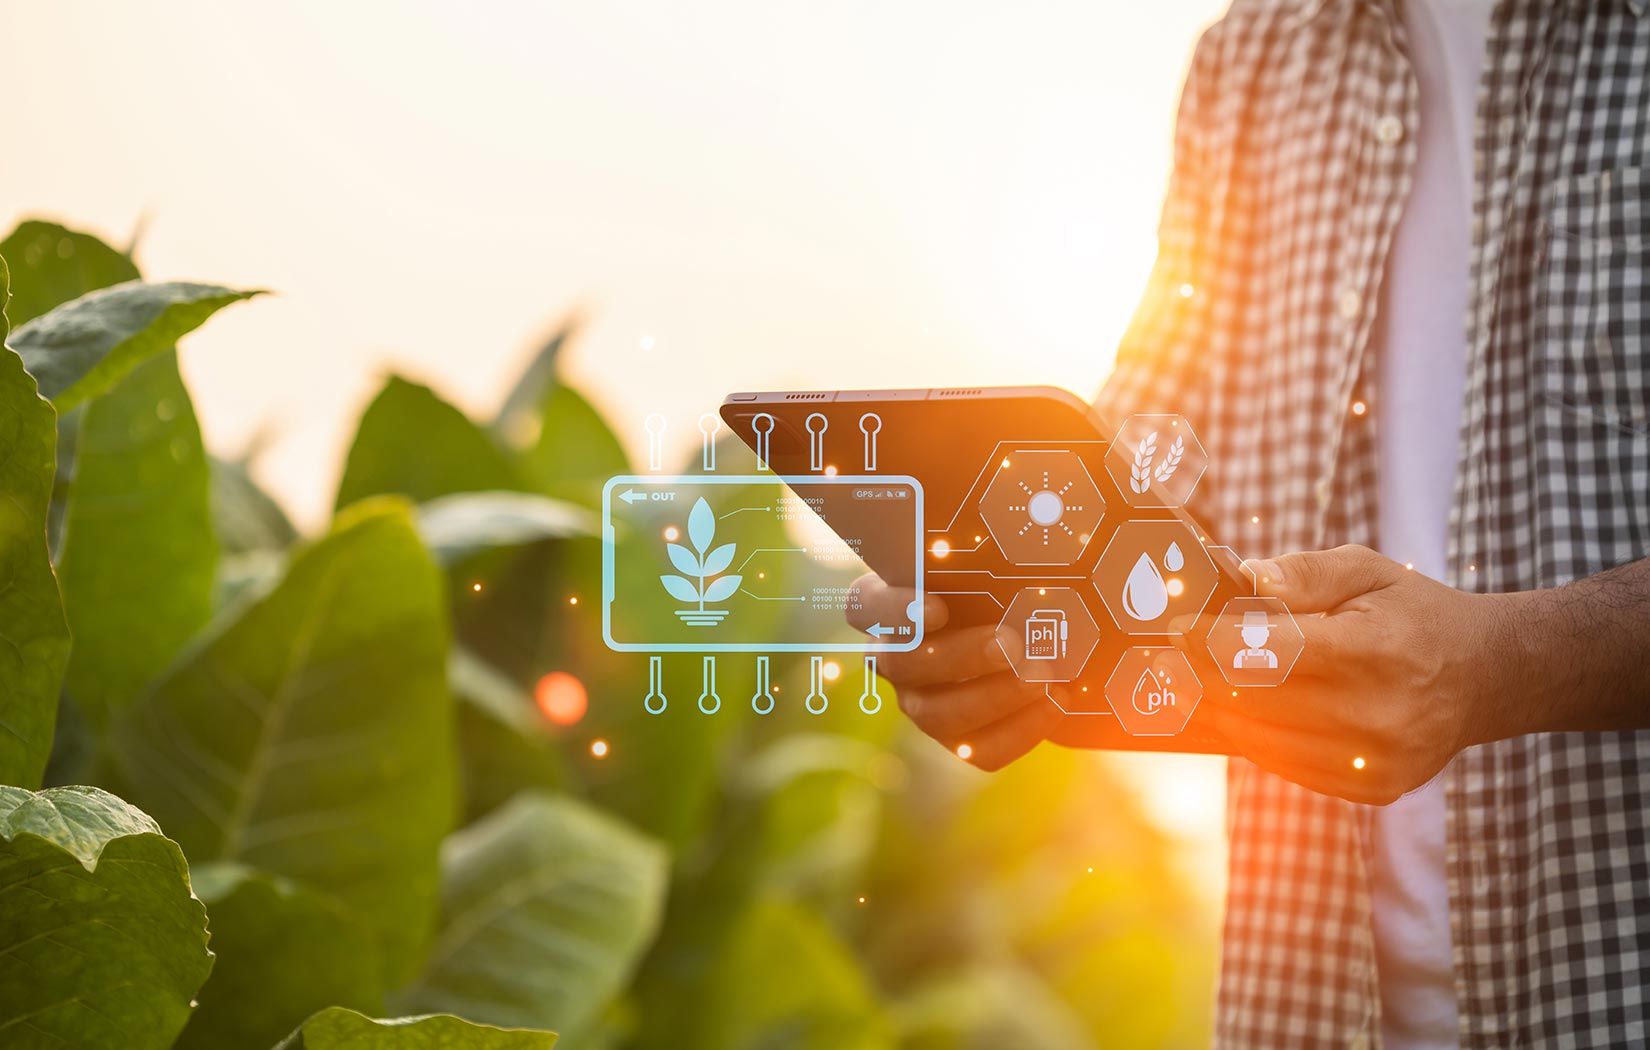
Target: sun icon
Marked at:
1045, 507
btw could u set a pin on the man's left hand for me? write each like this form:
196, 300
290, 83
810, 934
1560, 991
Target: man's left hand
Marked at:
1399, 673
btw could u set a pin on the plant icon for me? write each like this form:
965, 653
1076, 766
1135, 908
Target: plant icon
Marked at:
702, 564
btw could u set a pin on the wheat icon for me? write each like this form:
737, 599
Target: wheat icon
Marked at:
1140, 475
1171, 462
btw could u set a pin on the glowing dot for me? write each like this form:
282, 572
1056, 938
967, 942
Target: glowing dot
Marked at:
1005, 463
940, 548
561, 698
1409, 565
929, 650
1176, 587
1234, 692
1084, 538
1472, 568
965, 751
671, 533
647, 342
1254, 519
598, 748
1186, 291
572, 599
1359, 408
862, 900
776, 689
1091, 869
761, 575
830, 472
830, 670
979, 539
475, 586
1358, 763
1085, 688
1042, 592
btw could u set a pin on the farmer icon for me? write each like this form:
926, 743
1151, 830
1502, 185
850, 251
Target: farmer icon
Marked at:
1256, 630
1255, 641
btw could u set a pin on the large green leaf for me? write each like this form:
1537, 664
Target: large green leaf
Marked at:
51, 265
311, 735
412, 443
138, 552
458, 526
33, 631
785, 979
284, 951
505, 743
104, 944
517, 420
546, 906
340, 1029
84, 347
575, 451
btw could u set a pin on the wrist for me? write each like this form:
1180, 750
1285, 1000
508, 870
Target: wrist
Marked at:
1514, 667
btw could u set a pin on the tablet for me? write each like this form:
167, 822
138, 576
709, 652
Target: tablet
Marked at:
1080, 551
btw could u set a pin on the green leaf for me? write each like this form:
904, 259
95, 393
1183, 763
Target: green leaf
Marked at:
284, 951
245, 517
684, 560
311, 736
467, 523
574, 451
33, 630
546, 906
505, 745
104, 943
51, 265
84, 347
340, 1029
517, 420
412, 443
784, 979
722, 589
680, 589
138, 552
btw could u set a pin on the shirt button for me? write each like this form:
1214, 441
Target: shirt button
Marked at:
1351, 302
1389, 129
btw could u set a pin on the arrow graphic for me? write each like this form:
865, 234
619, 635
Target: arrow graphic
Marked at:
631, 495
877, 630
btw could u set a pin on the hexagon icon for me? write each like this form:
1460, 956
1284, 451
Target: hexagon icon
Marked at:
1153, 691
1041, 507
1255, 641
1156, 460
1047, 634
1152, 572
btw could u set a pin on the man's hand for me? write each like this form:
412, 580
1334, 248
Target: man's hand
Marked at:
957, 687
1399, 673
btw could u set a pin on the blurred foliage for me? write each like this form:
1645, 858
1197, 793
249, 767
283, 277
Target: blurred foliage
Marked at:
340, 733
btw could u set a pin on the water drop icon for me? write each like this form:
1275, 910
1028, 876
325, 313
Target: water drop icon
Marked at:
1173, 560
1145, 595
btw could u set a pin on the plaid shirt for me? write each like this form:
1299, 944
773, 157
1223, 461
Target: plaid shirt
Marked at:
1294, 154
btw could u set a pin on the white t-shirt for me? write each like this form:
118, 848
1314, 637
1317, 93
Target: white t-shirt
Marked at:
1422, 372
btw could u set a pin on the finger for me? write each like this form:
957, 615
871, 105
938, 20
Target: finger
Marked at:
951, 656
994, 746
1318, 581
1333, 646
871, 600
953, 712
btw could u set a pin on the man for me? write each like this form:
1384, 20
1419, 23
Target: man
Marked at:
1352, 179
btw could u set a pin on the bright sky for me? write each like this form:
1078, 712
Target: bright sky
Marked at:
739, 193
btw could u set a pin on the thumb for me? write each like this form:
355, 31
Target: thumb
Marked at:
1318, 581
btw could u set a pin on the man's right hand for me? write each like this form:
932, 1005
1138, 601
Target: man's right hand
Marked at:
957, 686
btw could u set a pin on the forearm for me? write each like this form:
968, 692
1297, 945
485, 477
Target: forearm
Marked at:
1571, 659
